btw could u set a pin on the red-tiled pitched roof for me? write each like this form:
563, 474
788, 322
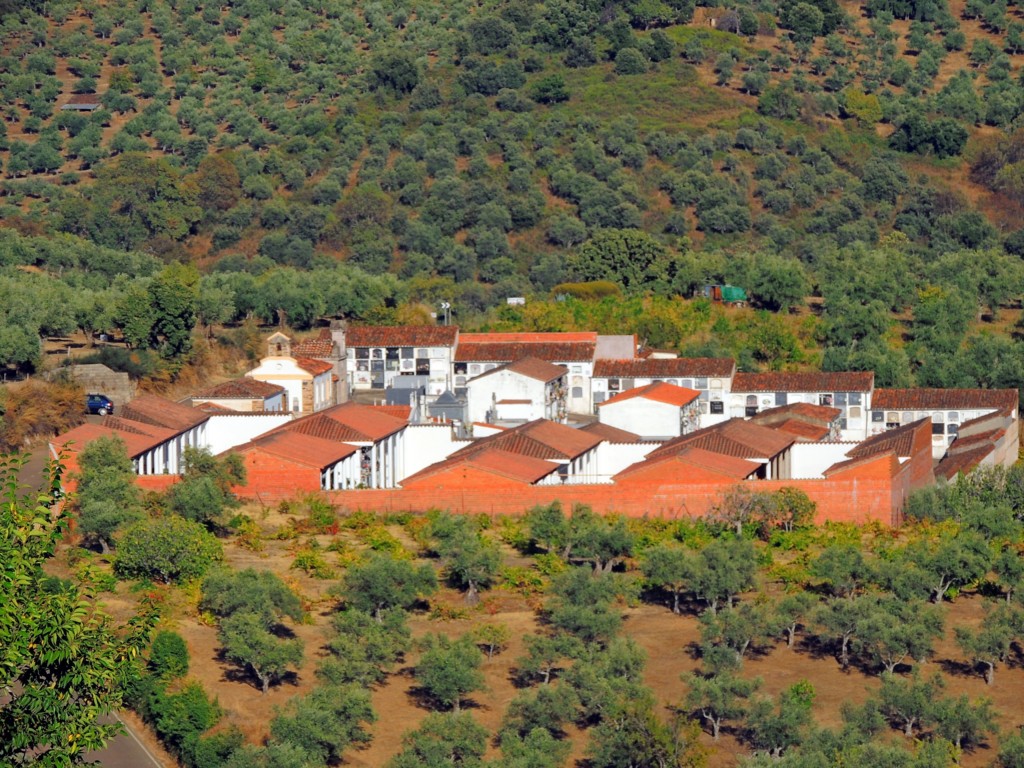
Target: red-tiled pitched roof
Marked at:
401, 336
137, 438
318, 347
315, 367
515, 466
672, 368
963, 462
300, 448
245, 388
532, 368
660, 392
160, 412
540, 439
611, 434
372, 422
216, 408
805, 411
528, 337
817, 381
734, 437
900, 441
729, 466
500, 352
848, 464
811, 433
398, 411
943, 399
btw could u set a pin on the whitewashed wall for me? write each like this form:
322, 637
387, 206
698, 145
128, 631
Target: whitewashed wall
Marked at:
809, 460
426, 444
225, 431
612, 458
648, 418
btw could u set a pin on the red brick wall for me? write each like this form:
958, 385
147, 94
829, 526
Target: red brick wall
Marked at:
273, 478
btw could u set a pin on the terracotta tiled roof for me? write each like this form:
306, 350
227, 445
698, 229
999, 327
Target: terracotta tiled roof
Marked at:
969, 442
963, 462
401, 336
672, 368
610, 434
848, 464
943, 399
811, 433
900, 441
398, 411
734, 437
659, 391
137, 439
817, 381
819, 413
532, 368
540, 439
500, 352
527, 337
303, 449
373, 422
315, 367
729, 466
245, 388
515, 466
514, 402
160, 412
318, 347
216, 408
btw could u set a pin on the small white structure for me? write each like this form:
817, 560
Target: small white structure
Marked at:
244, 395
657, 411
522, 391
307, 382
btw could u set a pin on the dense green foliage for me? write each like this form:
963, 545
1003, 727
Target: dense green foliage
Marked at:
63, 661
341, 160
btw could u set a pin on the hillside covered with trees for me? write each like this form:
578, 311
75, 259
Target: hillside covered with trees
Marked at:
858, 164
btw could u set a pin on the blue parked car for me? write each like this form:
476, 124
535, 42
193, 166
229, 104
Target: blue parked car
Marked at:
100, 404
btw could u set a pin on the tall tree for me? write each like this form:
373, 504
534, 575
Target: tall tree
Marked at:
57, 693
108, 497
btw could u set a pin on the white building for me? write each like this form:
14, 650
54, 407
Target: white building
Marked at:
656, 411
307, 382
849, 391
522, 391
376, 355
710, 376
946, 409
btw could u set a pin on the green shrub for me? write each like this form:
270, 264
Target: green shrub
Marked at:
168, 658
166, 549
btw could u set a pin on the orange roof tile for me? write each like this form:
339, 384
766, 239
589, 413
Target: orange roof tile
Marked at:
660, 392
817, 381
138, 438
302, 449
532, 368
375, 423
398, 411
610, 434
502, 352
734, 437
730, 466
540, 439
528, 337
526, 469
161, 412
900, 441
666, 368
821, 413
243, 388
401, 336
315, 367
801, 429
319, 346
863, 460
944, 399
962, 462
